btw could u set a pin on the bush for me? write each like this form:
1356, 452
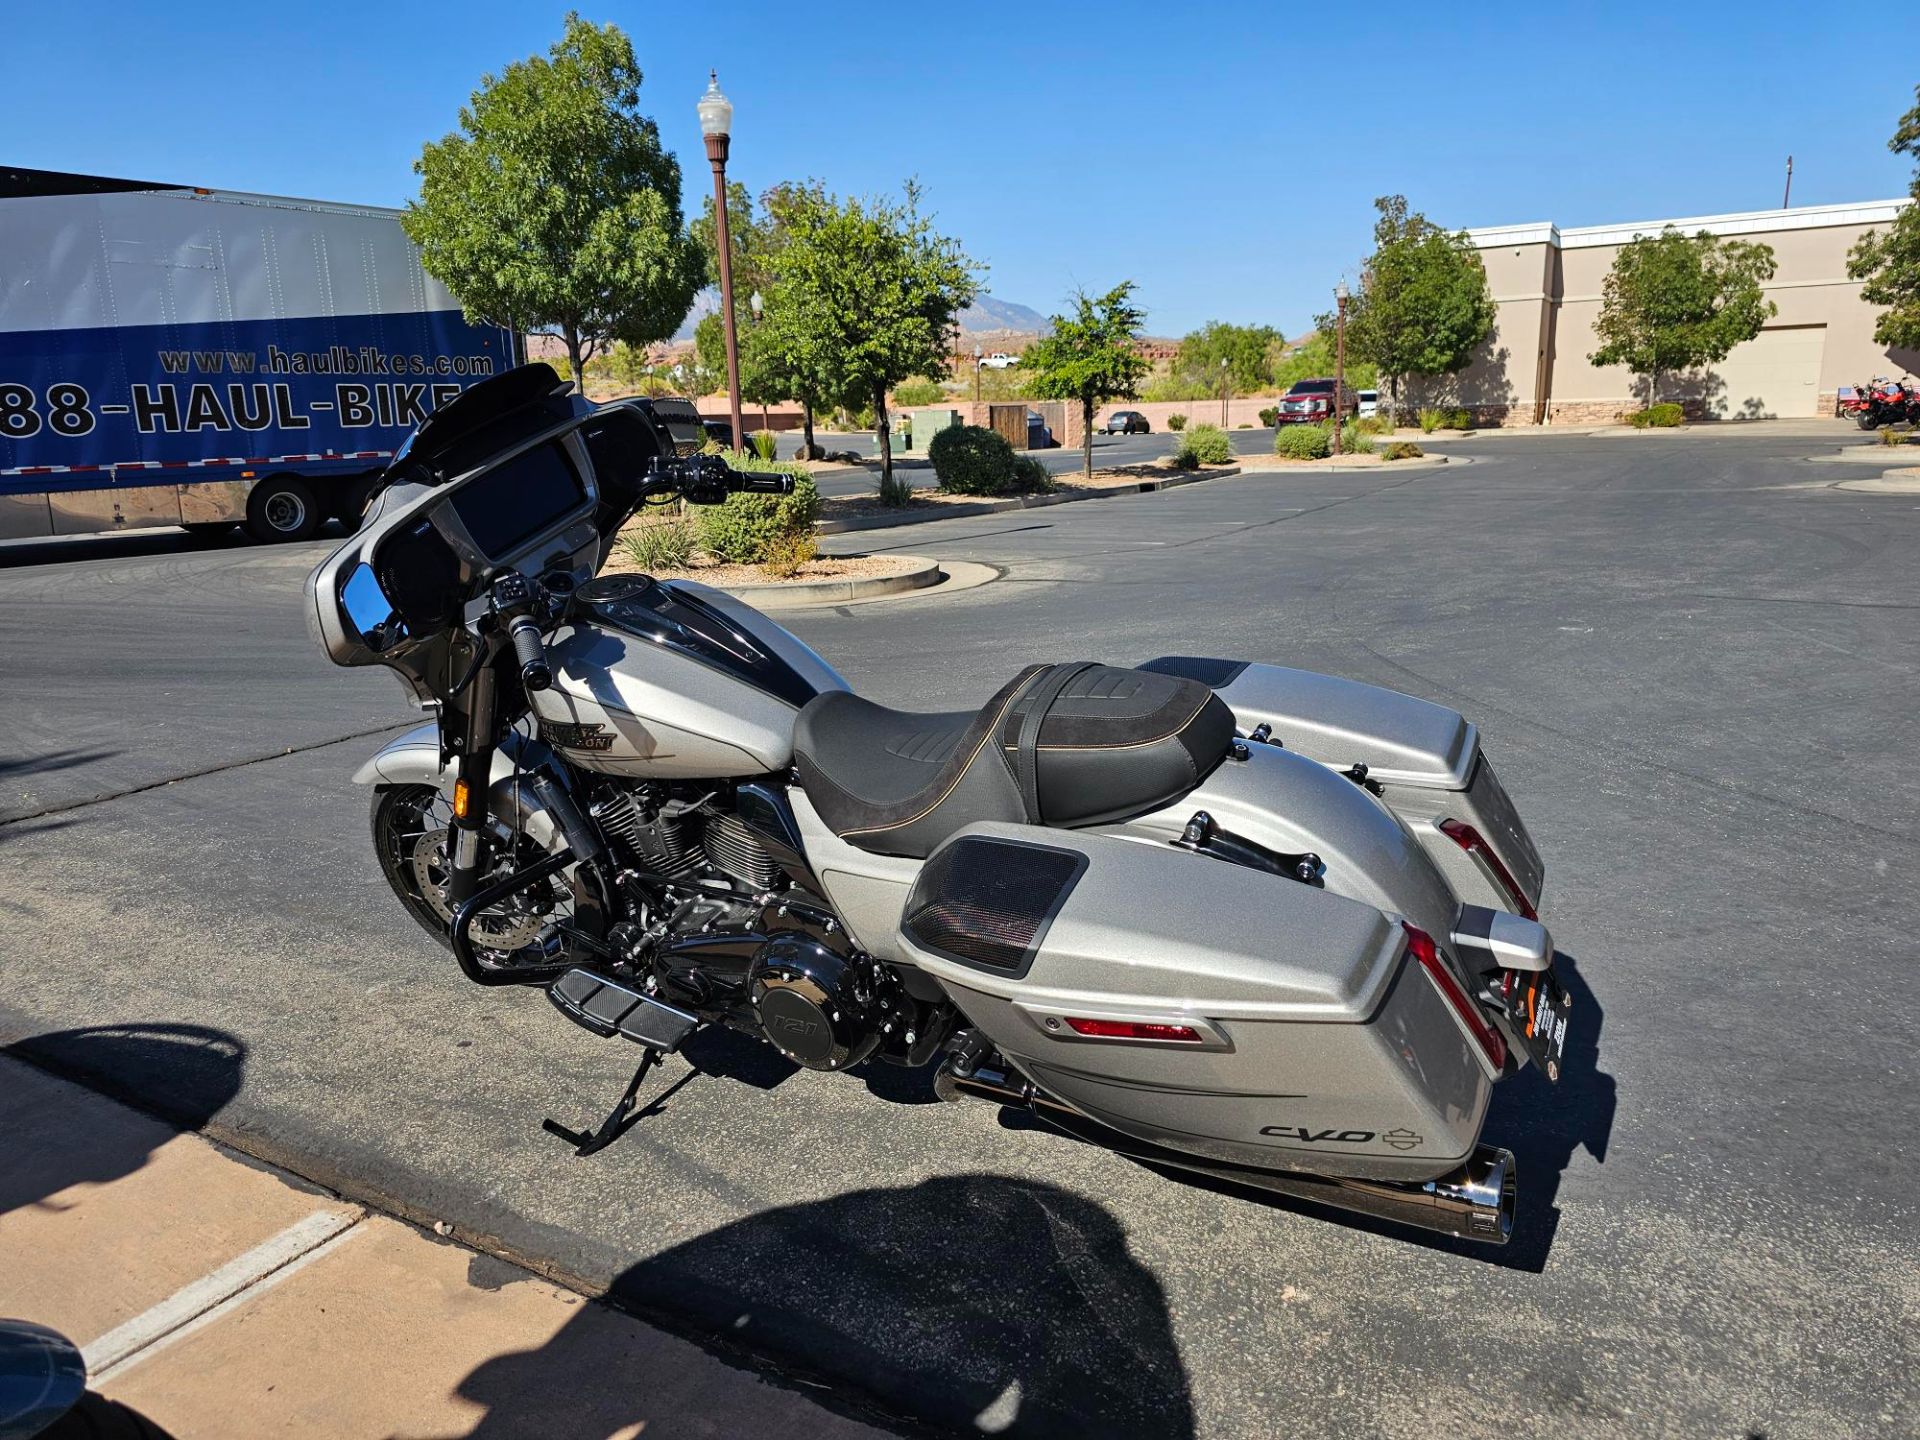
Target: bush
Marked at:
1430, 419
1353, 440
1270, 416
1030, 477
1663, 416
1893, 437
787, 553
1402, 450
1459, 418
765, 444
897, 491
972, 460
917, 391
1302, 442
743, 528
665, 545
1202, 445
1374, 425
1176, 422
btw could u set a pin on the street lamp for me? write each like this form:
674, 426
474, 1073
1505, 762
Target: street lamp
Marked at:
756, 304
716, 124
1224, 391
978, 356
1339, 361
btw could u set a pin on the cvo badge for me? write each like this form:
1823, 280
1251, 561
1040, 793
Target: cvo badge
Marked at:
576, 737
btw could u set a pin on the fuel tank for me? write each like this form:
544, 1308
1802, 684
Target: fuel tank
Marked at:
672, 680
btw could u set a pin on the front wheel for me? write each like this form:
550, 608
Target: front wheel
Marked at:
412, 831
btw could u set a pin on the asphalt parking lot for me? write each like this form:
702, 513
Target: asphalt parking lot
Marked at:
1695, 665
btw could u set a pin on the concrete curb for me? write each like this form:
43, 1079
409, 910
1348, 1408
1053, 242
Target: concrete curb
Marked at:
786, 595
1894, 482
1885, 456
1017, 502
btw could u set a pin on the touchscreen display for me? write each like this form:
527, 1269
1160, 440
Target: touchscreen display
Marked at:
519, 498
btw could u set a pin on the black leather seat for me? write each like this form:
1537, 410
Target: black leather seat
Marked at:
1058, 745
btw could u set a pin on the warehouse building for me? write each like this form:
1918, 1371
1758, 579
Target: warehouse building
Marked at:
1546, 282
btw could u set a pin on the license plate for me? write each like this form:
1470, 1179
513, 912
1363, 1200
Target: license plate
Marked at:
1538, 1003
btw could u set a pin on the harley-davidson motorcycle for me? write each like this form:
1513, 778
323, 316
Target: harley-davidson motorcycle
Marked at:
1266, 925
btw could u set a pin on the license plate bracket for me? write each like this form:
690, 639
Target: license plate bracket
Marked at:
1540, 1013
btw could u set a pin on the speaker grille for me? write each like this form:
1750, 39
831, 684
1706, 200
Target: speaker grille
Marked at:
987, 903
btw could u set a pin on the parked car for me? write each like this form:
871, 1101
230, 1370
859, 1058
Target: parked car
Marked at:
1127, 422
1000, 360
1369, 403
1039, 437
719, 431
1308, 401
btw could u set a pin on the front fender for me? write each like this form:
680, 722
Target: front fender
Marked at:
414, 759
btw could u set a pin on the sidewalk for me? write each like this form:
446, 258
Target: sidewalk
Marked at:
220, 1298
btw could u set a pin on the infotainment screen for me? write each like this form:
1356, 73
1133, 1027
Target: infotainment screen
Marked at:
517, 499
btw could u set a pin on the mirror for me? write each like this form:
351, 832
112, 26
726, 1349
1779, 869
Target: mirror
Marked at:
370, 612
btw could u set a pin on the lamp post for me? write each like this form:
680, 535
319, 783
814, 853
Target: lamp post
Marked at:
1339, 362
1225, 380
716, 123
757, 304
978, 356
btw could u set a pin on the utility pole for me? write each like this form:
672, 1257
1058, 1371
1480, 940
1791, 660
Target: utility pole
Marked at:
1787, 199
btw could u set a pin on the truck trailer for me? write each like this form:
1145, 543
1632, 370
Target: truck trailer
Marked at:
173, 355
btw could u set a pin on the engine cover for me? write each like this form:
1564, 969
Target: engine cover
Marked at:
819, 1008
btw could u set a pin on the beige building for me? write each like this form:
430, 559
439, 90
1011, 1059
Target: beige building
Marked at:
1546, 282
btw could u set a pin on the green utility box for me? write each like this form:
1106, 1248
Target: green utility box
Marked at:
926, 423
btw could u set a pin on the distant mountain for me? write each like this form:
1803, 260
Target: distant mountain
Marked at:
986, 315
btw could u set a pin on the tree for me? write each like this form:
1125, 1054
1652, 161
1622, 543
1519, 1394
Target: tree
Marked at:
1675, 301
862, 294
1890, 263
554, 207
1089, 356
1249, 350
1423, 306
1314, 359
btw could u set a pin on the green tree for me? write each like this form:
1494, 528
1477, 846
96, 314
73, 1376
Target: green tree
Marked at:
1315, 359
1089, 356
1890, 263
1675, 301
1249, 350
1423, 306
862, 294
554, 207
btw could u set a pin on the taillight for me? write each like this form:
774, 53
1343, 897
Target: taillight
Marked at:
1132, 1030
1428, 954
1475, 844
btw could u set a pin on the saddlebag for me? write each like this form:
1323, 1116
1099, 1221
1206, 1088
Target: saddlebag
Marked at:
1424, 758
1200, 1004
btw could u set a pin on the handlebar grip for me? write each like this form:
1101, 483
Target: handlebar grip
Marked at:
531, 651
763, 482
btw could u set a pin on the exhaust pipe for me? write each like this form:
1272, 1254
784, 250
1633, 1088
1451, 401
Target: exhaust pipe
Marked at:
1474, 1202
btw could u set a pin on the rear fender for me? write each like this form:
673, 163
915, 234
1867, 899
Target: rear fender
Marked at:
414, 759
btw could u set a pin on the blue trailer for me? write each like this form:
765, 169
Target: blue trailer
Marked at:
171, 355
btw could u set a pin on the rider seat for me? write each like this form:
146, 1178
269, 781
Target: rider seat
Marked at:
1061, 745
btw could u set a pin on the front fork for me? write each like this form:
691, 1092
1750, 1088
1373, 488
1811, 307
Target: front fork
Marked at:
473, 778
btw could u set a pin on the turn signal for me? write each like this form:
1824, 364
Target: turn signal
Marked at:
462, 800
1132, 1030
1475, 844
1428, 954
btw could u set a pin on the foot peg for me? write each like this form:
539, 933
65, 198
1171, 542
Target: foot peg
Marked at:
606, 1008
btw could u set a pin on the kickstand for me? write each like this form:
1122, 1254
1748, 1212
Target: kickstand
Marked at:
591, 1142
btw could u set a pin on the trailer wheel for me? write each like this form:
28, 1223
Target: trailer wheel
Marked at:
283, 507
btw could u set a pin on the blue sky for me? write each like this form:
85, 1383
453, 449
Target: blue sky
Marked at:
1223, 156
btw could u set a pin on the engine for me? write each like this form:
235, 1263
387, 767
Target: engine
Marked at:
822, 1009
682, 837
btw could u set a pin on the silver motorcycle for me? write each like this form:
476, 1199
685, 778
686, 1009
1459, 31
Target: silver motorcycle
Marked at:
1270, 926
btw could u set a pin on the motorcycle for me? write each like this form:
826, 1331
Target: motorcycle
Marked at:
1274, 927
1884, 402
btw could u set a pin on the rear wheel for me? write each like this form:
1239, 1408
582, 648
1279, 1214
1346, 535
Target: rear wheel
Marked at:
283, 507
1867, 422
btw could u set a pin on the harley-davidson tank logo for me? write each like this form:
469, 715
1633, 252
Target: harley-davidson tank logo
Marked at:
576, 737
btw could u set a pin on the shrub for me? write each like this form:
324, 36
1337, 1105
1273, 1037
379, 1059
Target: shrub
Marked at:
787, 553
1302, 442
1402, 450
664, 545
1353, 440
972, 460
1176, 422
1374, 425
1893, 437
1459, 418
1430, 419
1663, 416
765, 444
743, 527
917, 391
896, 491
1030, 477
1270, 416
1202, 445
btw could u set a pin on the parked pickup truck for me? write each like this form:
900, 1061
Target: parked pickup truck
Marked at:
1308, 401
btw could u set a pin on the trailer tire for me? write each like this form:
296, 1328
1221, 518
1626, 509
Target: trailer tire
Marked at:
283, 507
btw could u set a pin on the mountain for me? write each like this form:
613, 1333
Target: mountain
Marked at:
986, 316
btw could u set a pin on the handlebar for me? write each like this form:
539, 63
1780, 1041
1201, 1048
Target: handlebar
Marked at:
531, 651
708, 480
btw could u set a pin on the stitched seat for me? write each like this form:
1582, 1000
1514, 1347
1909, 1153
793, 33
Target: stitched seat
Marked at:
1107, 743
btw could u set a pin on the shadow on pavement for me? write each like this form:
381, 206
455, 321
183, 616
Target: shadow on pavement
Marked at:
979, 1302
184, 1073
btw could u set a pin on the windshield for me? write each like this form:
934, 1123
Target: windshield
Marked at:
1311, 387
